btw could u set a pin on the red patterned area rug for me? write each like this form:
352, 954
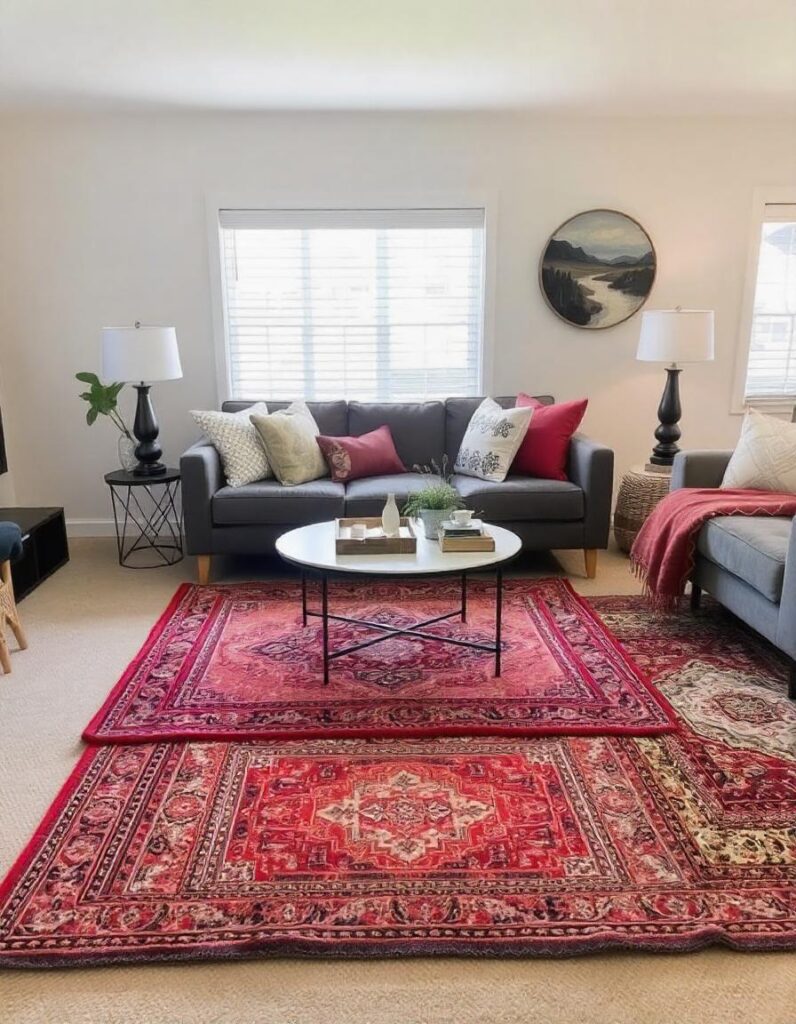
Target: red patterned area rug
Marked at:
473, 845
235, 662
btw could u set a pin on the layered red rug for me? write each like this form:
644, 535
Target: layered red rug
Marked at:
235, 662
471, 845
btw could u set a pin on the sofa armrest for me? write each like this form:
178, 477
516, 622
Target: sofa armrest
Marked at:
786, 627
700, 468
591, 467
202, 476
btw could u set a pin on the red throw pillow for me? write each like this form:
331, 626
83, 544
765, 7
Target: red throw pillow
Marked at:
350, 458
544, 449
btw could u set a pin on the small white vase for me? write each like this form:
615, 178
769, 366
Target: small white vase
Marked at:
391, 518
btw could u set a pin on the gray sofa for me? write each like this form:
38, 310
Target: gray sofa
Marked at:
247, 520
747, 563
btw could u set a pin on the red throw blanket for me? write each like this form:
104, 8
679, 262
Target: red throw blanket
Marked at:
663, 552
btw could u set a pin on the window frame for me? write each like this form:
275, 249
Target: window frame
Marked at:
762, 197
215, 202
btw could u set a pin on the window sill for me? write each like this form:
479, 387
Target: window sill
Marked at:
784, 407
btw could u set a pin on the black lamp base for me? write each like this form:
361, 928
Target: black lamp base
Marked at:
668, 433
146, 430
153, 469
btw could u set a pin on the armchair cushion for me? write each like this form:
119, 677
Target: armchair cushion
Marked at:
752, 548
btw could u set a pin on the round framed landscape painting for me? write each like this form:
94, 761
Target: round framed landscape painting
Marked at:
597, 269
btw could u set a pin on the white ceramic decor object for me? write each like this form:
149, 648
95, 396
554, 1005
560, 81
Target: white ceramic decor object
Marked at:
391, 517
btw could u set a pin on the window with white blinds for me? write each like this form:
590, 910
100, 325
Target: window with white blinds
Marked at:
367, 304
771, 366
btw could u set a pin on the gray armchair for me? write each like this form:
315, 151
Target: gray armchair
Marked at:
748, 563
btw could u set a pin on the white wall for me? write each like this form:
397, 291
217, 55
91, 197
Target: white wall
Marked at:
103, 221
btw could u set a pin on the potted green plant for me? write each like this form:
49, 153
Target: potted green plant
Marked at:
435, 501
103, 400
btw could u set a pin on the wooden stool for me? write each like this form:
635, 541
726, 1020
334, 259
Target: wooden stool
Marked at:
10, 547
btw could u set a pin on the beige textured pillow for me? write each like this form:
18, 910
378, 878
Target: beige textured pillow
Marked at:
491, 441
765, 456
237, 442
288, 437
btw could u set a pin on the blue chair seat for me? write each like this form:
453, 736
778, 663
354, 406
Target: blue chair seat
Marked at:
10, 541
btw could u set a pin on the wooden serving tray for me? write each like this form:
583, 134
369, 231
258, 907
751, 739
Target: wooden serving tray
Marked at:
484, 542
344, 544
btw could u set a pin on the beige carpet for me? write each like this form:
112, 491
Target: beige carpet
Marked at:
84, 625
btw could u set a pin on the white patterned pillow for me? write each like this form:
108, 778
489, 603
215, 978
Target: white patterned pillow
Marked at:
288, 437
237, 442
765, 456
491, 441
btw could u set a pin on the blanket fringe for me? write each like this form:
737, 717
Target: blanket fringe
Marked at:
658, 602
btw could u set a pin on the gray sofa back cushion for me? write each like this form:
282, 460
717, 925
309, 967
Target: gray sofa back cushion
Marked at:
459, 411
418, 428
331, 417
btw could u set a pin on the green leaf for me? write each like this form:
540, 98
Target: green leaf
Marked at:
87, 378
91, 416
86, 396
115, 388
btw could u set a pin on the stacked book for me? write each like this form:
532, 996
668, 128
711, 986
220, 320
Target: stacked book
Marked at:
465, 536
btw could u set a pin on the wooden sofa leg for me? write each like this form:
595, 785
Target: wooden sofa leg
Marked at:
696, 597
792, 681
203, 569
590, 558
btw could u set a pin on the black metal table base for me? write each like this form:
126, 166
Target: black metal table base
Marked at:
394, 631
155, 529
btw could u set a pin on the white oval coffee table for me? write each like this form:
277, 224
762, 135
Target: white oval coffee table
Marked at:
312, 549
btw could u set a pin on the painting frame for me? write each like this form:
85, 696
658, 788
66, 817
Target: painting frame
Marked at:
653, 265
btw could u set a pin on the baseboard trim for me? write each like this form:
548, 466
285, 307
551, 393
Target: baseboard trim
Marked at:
91, 528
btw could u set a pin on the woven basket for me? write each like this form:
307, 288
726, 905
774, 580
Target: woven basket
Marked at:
639, 493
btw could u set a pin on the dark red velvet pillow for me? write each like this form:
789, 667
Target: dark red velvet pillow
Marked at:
544, 449
350, 458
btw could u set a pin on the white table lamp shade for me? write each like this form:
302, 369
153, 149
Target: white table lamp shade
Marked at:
140, 354
676, 336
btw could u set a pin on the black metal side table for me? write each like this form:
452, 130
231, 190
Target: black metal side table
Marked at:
148, 518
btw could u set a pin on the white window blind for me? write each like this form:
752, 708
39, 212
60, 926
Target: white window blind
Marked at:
368, 304
771, 369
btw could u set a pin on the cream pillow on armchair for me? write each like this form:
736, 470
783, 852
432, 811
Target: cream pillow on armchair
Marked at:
765, 456
288, 437
491, 441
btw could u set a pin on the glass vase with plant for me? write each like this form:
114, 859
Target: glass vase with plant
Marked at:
103, 400
434, 502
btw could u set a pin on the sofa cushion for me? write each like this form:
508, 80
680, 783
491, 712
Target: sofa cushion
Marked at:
545, 447
367, 497
352, 458
459, 412
493, 438
521, 498
331, 417
270, 502
418, 428
288, 436
750, 547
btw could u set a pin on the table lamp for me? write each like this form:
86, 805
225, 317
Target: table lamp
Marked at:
673, 336
140, 355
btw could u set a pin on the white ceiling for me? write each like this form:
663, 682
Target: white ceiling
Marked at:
587, 56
